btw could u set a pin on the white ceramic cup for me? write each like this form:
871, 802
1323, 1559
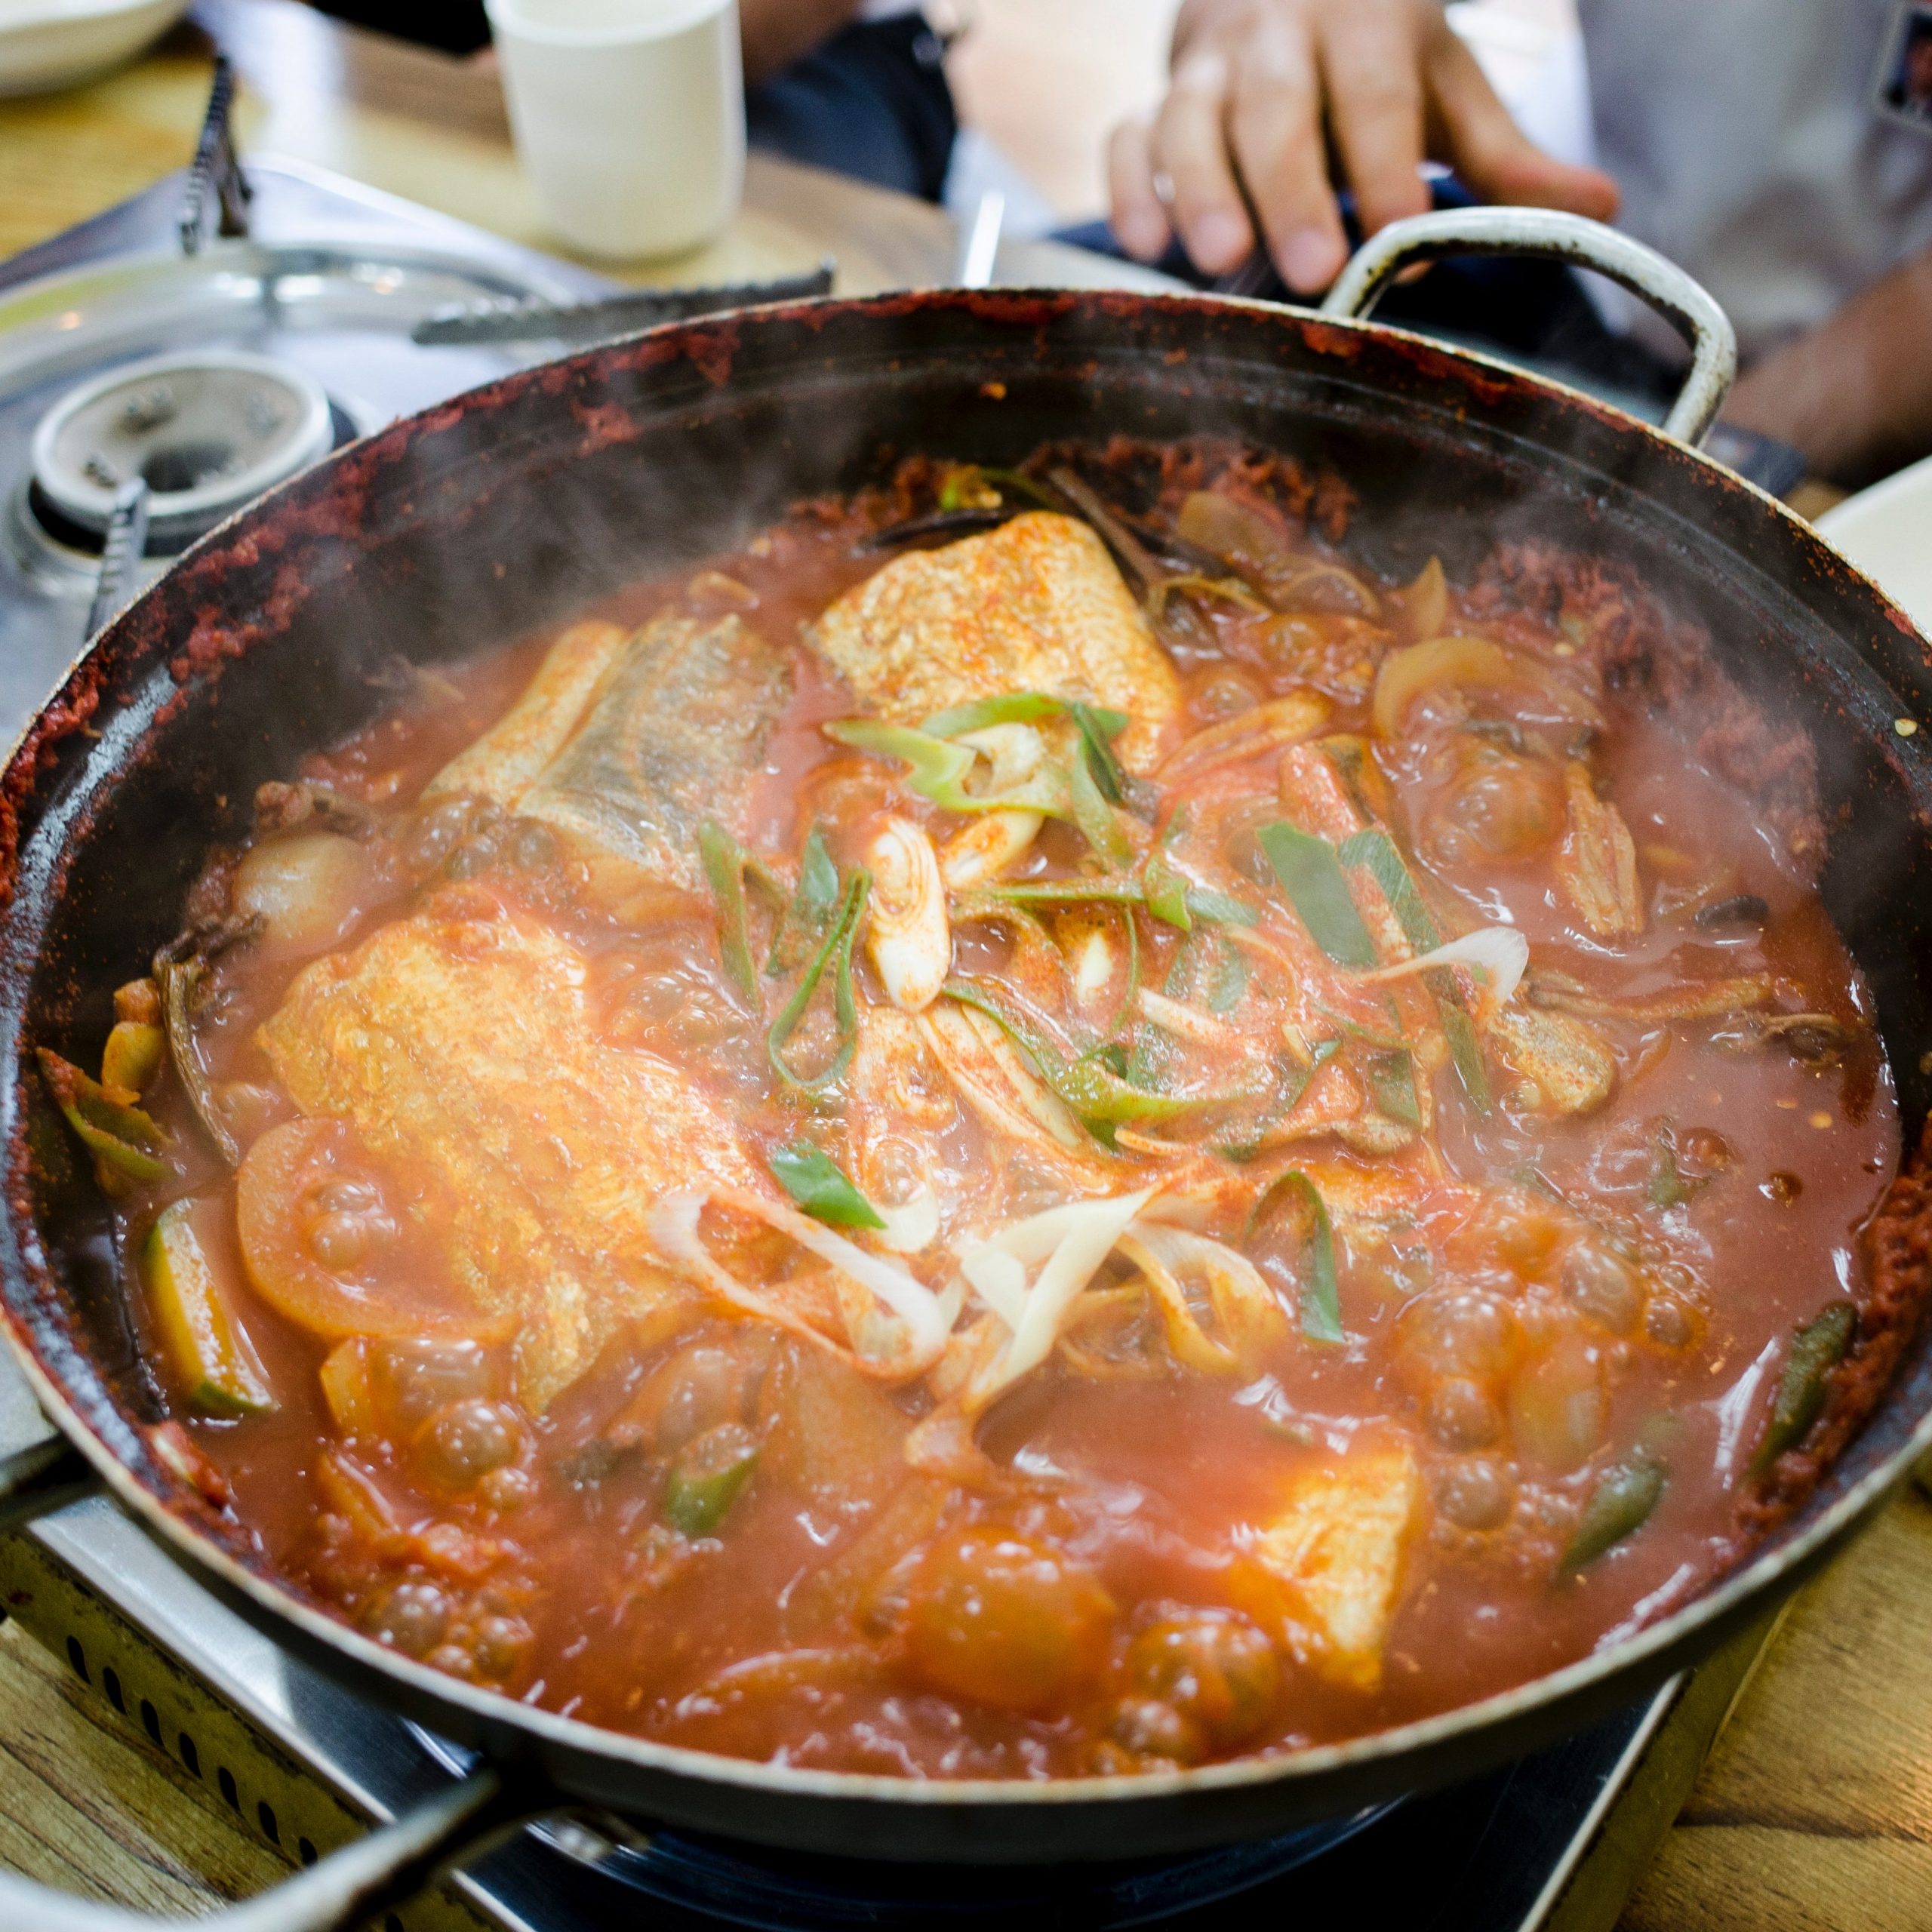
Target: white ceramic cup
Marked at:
629, 117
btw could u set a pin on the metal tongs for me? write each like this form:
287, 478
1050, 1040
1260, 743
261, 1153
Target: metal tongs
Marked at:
609, 316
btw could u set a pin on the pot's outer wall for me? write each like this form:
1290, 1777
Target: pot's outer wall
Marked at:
510, 508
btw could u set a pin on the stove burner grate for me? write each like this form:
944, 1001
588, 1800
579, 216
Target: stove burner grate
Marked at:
206, 432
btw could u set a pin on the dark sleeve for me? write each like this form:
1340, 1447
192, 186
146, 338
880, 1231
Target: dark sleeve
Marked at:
456, 27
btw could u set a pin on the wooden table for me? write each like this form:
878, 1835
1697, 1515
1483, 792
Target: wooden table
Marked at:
1815, 1810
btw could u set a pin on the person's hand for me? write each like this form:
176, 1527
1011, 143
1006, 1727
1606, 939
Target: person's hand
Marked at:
1263, 89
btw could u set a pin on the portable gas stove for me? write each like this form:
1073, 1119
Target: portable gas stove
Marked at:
147, 388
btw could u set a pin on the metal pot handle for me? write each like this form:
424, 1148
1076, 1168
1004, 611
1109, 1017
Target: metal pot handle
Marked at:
1686, 304
343, 1889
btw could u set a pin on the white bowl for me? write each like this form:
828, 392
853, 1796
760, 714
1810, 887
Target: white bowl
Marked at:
49, 44
1886, 531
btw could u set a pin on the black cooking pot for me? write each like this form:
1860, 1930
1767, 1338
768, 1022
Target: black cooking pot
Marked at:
512, 507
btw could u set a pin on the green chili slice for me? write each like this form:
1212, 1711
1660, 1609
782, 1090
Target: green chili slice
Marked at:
705, 1480
1311, 875
836, 954
126, 1139
802, 924
1320, 1293
724, 860
1815, 1350
1620, 1505
816, 1183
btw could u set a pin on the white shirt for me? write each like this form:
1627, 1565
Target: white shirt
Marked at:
1749, 140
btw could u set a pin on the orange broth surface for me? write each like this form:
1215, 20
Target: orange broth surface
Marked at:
1195, 1529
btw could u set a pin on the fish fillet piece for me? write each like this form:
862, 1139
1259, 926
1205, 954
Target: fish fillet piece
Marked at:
626, 743
507, 760
461, 1044
1036, 605
1333, 1558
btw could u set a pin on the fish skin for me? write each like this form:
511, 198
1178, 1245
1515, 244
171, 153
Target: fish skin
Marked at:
626, 744
507, 760
1036, 604
461, 1043
1568, 1059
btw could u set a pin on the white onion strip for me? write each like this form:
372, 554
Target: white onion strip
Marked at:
1068, 1244
1500, 954
918, 1334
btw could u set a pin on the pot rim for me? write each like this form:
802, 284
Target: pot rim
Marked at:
1758, 1574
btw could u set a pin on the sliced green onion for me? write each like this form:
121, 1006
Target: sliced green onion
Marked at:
937, 767
1391, 1083
1815, 1350
724, 860
1207, 971
1292, 1081
1092, 1091
1620, 1505
1015, 708
1206, 903
952, 492
1099, 727
815, 1182
1375, 851
1312, 875
1320, 1293
835, 954
1060, 892
1095, 816
1167, 893
1668, 1187
1465, 1049
1385, 1043
803, 923
125, 1138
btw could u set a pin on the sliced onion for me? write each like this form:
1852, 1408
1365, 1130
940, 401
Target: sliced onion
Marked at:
1186, 1021
910, 1226
906, 1345
1500, 954
1069, 1243
1247, 1314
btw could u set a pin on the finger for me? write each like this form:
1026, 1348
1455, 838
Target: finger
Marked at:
1190, 147
1371, 65
1140, 222
1477, 137
1275, 128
